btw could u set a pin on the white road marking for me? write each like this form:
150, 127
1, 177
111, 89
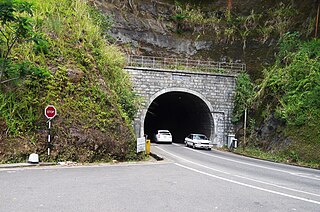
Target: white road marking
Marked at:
274, 185
254, 165
189, 161
239, 176
176, 144
249, 186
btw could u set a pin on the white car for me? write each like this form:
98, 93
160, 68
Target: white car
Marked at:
198, 141
163, 136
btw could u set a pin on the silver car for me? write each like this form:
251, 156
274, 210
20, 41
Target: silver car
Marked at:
198, 141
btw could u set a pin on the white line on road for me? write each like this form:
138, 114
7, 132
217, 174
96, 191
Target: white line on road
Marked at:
249, 186
254, 165
258, 181
274, 185
189, 161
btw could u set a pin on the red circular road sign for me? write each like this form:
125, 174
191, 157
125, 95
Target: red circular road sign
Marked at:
50, 112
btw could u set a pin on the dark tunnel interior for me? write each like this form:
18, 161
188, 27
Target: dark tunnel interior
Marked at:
179, 112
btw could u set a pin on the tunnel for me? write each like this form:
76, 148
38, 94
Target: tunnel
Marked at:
181, 113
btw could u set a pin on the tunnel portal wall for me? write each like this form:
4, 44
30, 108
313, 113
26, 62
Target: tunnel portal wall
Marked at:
215, 90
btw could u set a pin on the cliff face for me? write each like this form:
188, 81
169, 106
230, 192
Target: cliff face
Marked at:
203, 29
245, 31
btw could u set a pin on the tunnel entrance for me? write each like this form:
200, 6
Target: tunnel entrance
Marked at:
179, 112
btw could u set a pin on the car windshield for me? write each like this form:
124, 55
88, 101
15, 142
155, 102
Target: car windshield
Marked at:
200, 137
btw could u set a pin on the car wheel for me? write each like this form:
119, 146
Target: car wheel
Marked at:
193, 146
186, 144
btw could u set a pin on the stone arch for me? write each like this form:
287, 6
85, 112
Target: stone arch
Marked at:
183, 90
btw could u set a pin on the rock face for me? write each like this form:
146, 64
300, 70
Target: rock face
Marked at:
268, 135
153, 27
149, 29
271, 134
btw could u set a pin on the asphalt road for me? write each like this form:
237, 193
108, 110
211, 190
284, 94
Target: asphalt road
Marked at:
187, 180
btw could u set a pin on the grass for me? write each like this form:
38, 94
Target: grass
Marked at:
279, 157
98, 106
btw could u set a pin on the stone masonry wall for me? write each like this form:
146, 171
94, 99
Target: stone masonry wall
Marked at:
217, 90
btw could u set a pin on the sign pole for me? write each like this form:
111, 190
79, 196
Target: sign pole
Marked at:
49, 136
50, 112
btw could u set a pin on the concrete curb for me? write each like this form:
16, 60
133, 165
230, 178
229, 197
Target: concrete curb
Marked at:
25, 165
20, 165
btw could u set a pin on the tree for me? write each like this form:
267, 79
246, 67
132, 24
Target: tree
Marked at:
16, 27
245, 93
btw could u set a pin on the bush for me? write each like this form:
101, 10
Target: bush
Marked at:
294, 81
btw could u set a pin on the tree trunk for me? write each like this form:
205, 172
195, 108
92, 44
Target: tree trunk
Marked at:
229, 7
317, 22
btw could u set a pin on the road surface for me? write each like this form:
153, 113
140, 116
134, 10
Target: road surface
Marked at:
187, 180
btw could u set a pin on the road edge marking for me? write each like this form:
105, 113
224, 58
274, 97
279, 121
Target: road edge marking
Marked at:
248, 185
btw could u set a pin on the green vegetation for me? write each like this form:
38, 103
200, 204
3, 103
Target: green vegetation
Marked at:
230, 27
16, 28
294, 81
290, 157
290, 90
244, 96
53, 52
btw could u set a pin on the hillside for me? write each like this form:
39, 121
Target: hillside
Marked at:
281, 99
71, 54
53, 52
